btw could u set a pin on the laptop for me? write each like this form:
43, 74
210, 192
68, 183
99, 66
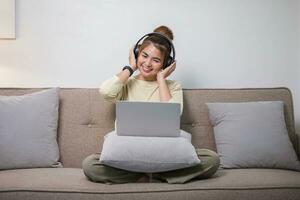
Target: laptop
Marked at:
151, 119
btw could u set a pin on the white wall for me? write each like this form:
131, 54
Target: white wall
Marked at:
80, 43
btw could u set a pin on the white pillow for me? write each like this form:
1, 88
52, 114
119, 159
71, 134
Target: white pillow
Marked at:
28, 130
252, 135
148, 154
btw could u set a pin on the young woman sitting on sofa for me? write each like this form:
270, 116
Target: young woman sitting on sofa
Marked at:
154, 62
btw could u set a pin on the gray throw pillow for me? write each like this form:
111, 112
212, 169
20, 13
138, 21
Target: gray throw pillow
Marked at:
28, 130
148, 154
252, 135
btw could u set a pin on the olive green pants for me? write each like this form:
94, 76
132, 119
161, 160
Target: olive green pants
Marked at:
97, 172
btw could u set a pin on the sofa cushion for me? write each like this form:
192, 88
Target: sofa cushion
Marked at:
28, 130
148, 154
252, 134
70, 183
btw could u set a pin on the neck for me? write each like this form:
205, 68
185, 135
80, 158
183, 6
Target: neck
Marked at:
140, 77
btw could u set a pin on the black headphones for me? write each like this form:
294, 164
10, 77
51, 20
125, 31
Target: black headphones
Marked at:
168, 59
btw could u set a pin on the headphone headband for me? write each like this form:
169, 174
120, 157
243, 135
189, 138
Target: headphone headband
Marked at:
168, 58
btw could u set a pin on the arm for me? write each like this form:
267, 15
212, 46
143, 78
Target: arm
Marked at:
164, 91
176, 93
169, 91
125, 74
112, 89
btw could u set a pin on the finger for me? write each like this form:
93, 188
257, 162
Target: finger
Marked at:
174, 63
169, 67
131, 50
172, 68
171, 71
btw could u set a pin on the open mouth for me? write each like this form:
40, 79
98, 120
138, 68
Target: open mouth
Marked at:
146, 69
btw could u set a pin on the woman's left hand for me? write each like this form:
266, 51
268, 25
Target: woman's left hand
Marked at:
164, 73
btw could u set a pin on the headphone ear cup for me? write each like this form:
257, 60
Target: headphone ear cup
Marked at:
169, 61
136, 51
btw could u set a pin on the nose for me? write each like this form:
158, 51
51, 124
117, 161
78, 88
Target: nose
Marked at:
148, 62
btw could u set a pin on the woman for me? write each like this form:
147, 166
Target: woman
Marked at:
154, 62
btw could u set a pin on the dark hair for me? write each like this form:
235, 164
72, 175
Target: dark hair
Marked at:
159, 42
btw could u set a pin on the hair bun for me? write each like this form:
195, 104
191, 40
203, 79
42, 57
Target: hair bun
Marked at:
164, 30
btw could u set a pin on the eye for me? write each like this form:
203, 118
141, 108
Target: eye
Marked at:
144, 55
157, 61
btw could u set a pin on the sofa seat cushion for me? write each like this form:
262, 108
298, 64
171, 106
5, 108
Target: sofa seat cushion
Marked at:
62, 183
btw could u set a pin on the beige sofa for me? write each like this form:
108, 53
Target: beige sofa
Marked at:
85, 117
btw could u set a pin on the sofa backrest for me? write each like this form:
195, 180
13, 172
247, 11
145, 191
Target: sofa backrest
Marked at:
85, 117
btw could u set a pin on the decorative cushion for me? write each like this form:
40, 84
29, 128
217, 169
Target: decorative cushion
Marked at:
148, 154
252, 135
28, 130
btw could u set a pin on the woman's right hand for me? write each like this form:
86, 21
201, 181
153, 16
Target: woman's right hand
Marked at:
132, 60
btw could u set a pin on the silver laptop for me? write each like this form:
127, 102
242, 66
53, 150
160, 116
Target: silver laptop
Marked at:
152, 119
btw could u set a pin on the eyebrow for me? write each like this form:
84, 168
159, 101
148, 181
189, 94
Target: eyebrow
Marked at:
156, 58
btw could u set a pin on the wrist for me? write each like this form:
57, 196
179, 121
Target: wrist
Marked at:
133, 67
161, 80
130, 69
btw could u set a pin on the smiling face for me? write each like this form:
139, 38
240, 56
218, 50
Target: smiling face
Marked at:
150, 61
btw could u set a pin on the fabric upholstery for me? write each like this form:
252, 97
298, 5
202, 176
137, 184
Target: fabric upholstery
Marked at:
70, 183
148, 154
86, 116
252, 134
28, 130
